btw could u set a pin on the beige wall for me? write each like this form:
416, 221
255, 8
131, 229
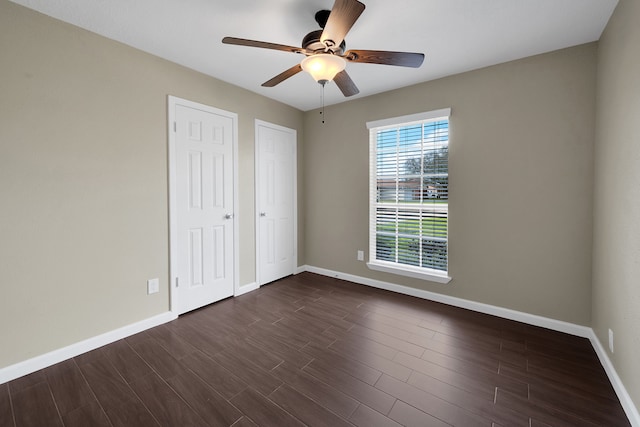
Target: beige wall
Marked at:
83, 179
616, 267
521, 175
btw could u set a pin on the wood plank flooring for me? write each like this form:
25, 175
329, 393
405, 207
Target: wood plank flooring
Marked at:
316, 351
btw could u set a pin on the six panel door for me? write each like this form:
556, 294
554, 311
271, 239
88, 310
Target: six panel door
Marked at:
204, 182
275, 201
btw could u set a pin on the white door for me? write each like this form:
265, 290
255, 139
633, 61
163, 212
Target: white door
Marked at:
204, 205
275, 202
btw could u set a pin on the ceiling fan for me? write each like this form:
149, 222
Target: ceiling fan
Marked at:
324, 50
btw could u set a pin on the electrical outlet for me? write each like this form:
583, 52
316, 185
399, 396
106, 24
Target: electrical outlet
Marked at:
153, 286
360, 255
611, 340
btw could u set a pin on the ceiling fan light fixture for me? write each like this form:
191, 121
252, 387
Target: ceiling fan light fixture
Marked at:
325, 50
323, 67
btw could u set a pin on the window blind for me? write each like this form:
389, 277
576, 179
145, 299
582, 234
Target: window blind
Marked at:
409, 191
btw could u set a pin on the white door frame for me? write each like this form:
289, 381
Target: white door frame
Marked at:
172, 102
294, 133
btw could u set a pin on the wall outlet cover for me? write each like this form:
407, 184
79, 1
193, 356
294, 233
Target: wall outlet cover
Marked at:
153, 286
611, 340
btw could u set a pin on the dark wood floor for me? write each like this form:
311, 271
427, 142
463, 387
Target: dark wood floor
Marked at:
311, 350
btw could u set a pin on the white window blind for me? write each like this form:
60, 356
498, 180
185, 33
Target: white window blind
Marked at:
409, 194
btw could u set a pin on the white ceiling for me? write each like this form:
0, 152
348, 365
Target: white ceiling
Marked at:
455, 35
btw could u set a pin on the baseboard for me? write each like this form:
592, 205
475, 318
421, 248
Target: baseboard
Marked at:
625, 400
246, 288
43, 361
531, 319
26, 367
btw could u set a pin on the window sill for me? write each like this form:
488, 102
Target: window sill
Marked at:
424, 274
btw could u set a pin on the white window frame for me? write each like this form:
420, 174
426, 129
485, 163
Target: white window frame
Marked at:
374, 127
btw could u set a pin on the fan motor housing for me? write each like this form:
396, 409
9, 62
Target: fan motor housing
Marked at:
312, 42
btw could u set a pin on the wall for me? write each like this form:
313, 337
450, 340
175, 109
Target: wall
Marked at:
83, 180
616, 266
521, 176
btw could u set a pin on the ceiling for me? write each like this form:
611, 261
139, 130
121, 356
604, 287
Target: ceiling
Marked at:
455, 35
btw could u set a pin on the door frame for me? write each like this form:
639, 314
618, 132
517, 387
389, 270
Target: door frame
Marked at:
172, 103
294, 134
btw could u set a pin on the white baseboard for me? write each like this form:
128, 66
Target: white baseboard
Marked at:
625, 400
246, 288
26, 367
20, 369
29, 366
531, 319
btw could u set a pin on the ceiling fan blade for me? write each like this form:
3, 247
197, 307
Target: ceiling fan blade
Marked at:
264, 45
403, 59
344, 14
345, 84
283, 76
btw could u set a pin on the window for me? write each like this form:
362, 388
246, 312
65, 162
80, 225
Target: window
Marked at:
409, 195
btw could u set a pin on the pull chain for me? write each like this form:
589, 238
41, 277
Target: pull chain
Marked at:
322, 113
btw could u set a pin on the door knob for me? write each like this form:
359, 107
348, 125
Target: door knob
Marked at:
228, 216
263, 214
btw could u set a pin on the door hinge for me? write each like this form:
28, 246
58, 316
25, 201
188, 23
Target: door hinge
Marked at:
177, 282
175, 126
